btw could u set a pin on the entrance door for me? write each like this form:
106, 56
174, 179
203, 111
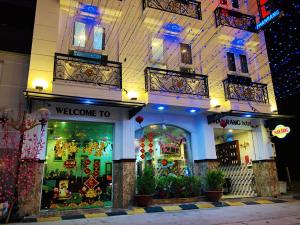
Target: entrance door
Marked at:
78, 167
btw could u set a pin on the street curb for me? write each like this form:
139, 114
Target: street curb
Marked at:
156, 209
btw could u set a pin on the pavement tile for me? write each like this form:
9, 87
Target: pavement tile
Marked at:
95, 215
117, 213
235, 203
72, 217
220, 204
205, 205
278, 201
262, 201
136, 211
188, 206
49, 219
251, 203
171, 208
154, 209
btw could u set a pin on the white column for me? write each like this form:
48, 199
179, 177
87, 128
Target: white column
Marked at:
261, 141
203, 140
128, 151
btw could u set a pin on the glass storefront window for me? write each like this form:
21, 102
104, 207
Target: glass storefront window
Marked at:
167, 148
78, 167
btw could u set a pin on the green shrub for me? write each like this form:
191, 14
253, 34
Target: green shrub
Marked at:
146, 182
214, 180
181, 186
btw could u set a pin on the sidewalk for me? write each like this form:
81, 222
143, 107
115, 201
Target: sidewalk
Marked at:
82, 214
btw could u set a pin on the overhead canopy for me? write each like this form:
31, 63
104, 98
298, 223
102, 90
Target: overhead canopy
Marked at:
133, 107
268, 116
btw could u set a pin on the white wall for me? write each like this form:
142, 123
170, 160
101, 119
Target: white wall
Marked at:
13, 79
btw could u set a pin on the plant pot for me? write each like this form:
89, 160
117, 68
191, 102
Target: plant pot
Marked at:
143, 200
214, 196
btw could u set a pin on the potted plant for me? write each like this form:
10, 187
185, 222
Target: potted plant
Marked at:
145, 187
214, 181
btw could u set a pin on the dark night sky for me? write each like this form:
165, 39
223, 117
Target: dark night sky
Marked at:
16, 28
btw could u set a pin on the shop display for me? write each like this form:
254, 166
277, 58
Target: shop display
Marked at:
166, 148
78, 166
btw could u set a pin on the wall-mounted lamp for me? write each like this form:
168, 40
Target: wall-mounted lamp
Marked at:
132, 95
214, 103
40, 84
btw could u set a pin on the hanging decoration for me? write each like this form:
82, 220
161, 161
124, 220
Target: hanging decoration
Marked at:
95, 148
96, 168
139, 120
86, 164
150, 139
142, 145
223, 123
70, 163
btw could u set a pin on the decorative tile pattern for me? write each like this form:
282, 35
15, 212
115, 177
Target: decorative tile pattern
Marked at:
242, 180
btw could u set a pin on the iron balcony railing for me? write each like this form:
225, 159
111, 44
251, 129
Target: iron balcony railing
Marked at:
161, 80
252, 91
86, 70
189, 8
230, 18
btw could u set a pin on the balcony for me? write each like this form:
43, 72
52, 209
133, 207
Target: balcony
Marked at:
86, 77
160, 80
234, 19
87, 71
176, 88
245, 91
189, 8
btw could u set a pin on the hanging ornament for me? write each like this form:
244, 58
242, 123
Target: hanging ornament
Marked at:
223, 123
150, 138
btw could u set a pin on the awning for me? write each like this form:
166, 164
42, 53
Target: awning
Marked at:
268, 116
133, 107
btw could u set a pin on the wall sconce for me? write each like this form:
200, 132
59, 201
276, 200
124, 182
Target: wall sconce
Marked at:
132, 95
214, 103
40, 84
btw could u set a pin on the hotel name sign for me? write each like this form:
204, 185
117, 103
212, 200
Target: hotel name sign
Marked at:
233, 122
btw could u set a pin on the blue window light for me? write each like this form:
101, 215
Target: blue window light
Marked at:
79, 34
98, 38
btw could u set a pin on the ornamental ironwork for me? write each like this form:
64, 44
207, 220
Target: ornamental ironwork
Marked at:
230, 18
255, 92
86, 70
189, 8
160, 80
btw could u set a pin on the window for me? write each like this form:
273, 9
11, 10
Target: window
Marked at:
98, 38
186, 53
79, 35
157, 48
244, 65
187, 70
231, 61
235, 4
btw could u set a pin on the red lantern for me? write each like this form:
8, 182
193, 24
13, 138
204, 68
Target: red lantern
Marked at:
139, 119
223, 123
142, 156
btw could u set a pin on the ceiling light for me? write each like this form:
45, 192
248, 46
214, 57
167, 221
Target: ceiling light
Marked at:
160, 108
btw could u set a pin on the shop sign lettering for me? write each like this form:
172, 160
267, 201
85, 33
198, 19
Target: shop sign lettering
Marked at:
234, 122
281, 131
82, 112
